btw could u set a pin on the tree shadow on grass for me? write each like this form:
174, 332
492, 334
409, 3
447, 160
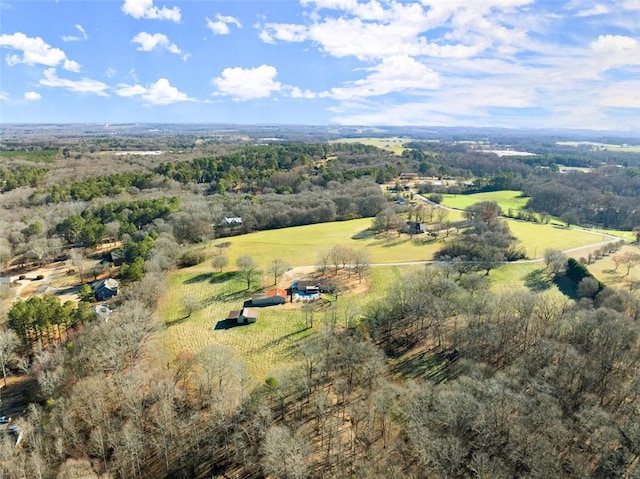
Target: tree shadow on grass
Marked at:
397, 242
213, 278
224, 324
201, 278
434, 366
537, 280
277, 341
566, 286
242, 294
364, 234
216, 278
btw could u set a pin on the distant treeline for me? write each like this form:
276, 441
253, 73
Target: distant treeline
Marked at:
607, 195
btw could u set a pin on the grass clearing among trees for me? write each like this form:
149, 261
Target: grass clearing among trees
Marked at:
506, 199
393, 144
536, 237
268, 344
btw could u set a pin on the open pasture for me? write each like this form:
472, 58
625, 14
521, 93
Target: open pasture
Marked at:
269, 344
300, 245
394, 144
537, 237
605, 269
506, 199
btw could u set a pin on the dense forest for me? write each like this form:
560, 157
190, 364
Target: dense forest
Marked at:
441, 376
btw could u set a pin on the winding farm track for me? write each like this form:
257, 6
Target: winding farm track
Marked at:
301, 271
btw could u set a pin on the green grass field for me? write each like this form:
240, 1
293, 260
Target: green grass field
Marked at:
537, 237
300, 245
506, 199
394, 144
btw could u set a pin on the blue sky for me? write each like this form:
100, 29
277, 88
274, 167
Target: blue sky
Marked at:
509, 63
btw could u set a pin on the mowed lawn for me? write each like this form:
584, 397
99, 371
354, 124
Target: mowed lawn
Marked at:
506, 199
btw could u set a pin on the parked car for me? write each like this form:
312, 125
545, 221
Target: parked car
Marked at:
4, 420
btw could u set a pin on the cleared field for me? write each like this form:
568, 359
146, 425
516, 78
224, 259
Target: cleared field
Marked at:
264, 345
506, 199
300, 245
394, 144
604, 270
270, 343
536, 237
602, 146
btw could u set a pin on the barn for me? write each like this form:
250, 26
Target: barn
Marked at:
270, 298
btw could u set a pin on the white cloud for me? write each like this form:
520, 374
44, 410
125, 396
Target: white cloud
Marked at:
285, 32
247, 83
110, 72
32, 95
371, 31
612, 51
130, 90
598, 9
148, 42
158, 93
624, 94
84, 85
3, 95
146, 9
393, 74
220, 26
35, 51
631, 4
615, 44
295, 92
71, 38
71, 66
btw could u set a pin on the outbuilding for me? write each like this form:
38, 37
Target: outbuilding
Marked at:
270, 298
243, 316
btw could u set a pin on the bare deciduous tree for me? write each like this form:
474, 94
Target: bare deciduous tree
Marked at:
219, 261
277, 268
9, 343
248, 268
284, 454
